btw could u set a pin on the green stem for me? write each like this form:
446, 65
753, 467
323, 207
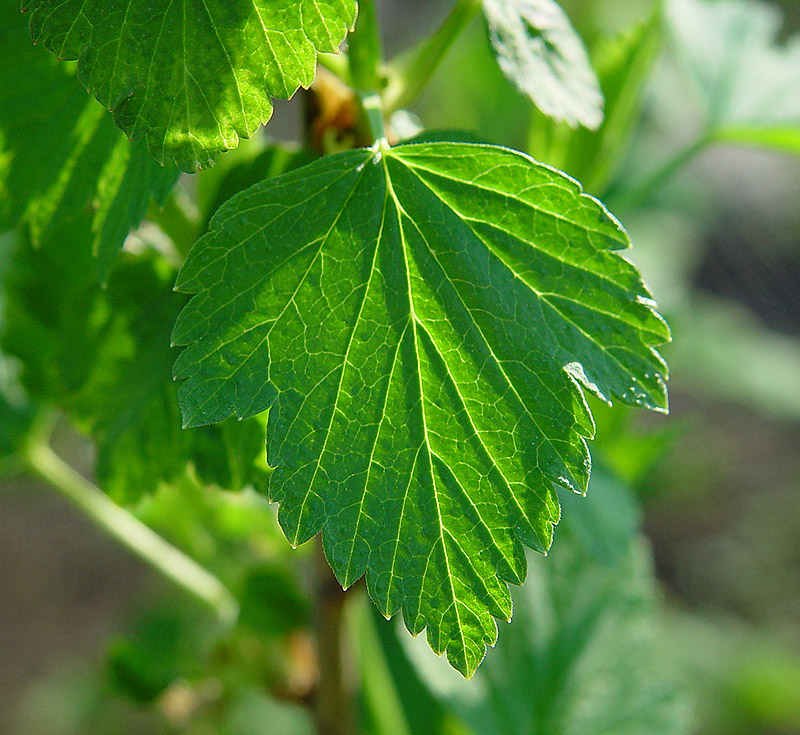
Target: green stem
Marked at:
365, 49
372, 110
338, 65
130, 531
661, 176
366, 70
411, 71
334, 706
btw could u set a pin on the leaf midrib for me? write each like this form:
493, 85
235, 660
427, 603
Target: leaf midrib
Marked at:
426, 441
345, 360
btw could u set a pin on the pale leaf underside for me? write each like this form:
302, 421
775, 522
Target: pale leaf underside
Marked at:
541, 54
418, 321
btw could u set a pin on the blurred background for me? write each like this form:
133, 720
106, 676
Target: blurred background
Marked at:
713, 212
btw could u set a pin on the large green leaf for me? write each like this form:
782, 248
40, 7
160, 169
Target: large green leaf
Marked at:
191, 77
540, 52
103, 356
582, 658
420, 321
60, 153
600, 526
746, 83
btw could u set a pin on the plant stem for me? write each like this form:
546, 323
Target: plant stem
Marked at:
334, 703
662, 175
130, 531
411, 71
337, 64
366, 71
372, 111
365, 49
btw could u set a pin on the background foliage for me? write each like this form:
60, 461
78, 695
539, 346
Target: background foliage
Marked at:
715, 233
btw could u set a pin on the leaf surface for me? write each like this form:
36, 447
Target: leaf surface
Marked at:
582, 658
61, 156
542, 55
419, 321
191, 77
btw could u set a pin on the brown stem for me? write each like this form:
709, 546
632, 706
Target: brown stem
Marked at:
334, 701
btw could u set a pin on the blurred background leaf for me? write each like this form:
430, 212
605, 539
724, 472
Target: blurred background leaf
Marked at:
715, 485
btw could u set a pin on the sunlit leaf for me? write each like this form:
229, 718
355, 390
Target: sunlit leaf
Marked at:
191, 78
420, 321
61, 156
102, 355
582, 657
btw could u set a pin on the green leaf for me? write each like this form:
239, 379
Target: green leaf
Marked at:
103, 356
192, 79
623, 65
582, 657
746, 83
419, 321
16, 416
275, 159
271, 601
539, 51
145, 662
60, 153
606, 520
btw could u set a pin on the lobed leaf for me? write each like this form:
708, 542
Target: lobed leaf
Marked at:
419, 320
191, 77
580, 658
102, 355
61, 157
539, 51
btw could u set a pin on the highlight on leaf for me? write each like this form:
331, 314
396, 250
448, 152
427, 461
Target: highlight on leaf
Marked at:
195, 79
422, 323
61, 155
541, 54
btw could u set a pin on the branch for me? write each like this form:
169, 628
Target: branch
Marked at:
131, 532
334, 703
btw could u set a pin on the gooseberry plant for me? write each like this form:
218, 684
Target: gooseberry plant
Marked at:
416, 318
